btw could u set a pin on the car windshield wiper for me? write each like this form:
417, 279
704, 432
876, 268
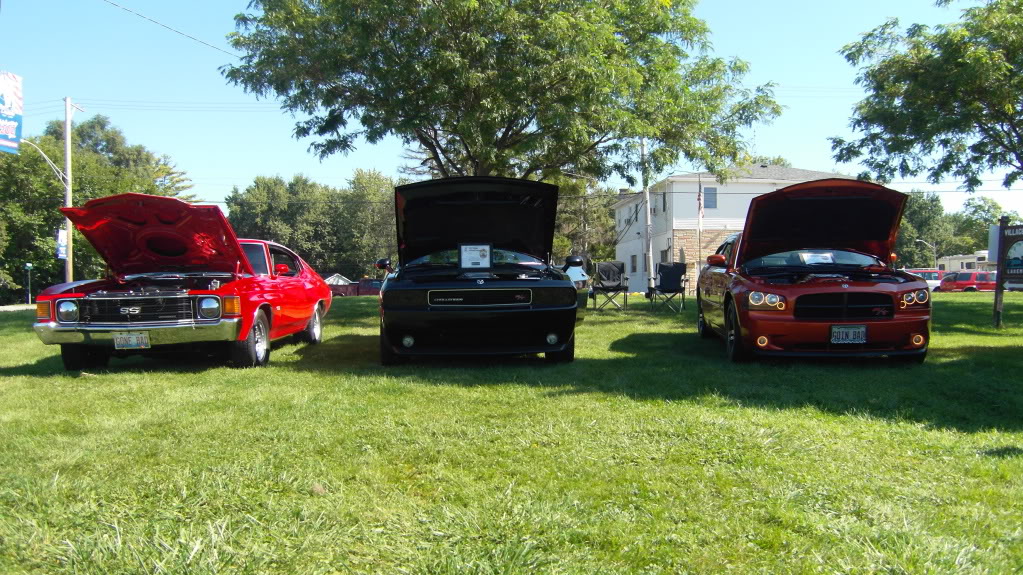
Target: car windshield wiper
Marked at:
776, 270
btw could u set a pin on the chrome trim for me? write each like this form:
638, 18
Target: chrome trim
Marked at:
224, 329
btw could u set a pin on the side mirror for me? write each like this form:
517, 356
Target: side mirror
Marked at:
281, 269
383, 264
574, 261
716, 260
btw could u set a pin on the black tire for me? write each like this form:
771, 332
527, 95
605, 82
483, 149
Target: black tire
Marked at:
387, 355
77, 357
970, 289
566, 355
313, 332
734, 347
254, 350
702, 329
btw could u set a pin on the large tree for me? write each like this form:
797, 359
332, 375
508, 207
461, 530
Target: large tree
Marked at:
521, 88
945, 102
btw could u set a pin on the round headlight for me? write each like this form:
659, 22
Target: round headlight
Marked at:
67, 311
756, 298
922, 296
909, 297
772, 299
209, 307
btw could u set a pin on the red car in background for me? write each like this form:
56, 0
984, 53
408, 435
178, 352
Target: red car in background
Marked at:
178, 276
969, 280
811, 275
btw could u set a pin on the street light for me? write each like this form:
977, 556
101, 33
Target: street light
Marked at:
28, 290
934, 251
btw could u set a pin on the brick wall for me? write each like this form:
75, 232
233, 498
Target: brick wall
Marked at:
696, 255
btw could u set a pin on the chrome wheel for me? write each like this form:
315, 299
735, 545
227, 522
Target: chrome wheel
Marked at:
259, 341
316, 329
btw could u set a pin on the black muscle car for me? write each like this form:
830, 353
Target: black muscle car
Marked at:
474, 274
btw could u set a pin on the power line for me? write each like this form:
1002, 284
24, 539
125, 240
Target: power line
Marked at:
171, 29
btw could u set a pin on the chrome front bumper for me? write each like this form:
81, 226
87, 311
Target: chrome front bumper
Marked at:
159, 334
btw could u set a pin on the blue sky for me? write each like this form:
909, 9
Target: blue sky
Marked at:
165, 91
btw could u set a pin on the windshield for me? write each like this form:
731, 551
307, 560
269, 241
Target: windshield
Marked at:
814, 259
498, 258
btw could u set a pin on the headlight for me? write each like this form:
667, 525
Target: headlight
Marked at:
766, 301
922, 296
67, 311
209, 307
909, 298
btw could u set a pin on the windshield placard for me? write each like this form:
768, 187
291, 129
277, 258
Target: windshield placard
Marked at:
474, 256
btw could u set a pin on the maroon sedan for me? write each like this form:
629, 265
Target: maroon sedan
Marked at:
811, 275
178, 277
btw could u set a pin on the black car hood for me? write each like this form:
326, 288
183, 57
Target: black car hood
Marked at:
510, 214
833, 213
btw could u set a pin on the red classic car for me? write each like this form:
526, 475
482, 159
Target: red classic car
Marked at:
178, 275
811, 275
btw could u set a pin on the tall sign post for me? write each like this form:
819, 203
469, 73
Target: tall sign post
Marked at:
69, 274
1010, 261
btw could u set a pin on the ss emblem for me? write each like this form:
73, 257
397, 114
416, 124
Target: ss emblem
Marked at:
480, 282
133, 310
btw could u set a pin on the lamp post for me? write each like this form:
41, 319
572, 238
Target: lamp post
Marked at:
934, 251
28, 290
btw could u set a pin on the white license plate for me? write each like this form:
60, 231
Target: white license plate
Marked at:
131, 340
848, 334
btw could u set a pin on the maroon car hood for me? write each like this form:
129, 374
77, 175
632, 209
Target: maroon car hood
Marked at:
831, 214
137, 233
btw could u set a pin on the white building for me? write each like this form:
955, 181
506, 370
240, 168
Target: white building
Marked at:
673, 212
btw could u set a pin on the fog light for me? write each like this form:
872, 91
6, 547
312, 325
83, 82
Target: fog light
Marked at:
917, 339
762, 341
552, 338
408, 341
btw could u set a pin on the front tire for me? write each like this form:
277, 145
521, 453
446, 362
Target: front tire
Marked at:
77, 357
254, 350
564, 356
735, 349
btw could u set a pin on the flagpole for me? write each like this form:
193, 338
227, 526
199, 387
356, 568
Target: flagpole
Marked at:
699, 226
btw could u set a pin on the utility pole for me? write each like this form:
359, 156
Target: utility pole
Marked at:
68, 267
649, 222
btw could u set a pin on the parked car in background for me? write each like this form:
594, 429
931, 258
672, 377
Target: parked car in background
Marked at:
474, 275
931, 276
178, 278
969, 280
811, 275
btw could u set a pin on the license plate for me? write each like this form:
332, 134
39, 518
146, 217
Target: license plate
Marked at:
131, 340
848, 334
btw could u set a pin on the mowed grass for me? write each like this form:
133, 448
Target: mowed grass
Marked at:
648, 454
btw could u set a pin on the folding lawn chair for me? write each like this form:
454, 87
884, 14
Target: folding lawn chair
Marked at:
671, 283
609, 281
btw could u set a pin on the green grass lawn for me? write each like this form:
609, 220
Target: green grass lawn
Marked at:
648, 454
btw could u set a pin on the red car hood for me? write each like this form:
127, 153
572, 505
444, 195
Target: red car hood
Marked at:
831, 214
138, 233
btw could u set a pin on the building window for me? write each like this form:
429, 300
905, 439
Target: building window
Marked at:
664, 202
971, 265
710, 198
632, 264
981, 258
941, 267
664, 256
645, 268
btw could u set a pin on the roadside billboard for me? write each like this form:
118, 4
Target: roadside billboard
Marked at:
12, 106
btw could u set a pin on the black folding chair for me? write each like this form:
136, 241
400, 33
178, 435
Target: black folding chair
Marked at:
671, 283
609, 281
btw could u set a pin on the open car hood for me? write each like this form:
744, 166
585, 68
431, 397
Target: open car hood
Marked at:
832, 213
510, 214
137, 233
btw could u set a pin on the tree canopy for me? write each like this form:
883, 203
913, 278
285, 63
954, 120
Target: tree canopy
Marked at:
945, 102
523, 88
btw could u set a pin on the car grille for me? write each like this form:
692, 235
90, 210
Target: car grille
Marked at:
842, 306
480, 297
137, 310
